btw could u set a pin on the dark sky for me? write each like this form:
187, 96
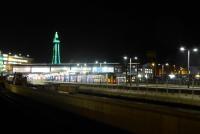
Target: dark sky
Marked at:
92, 32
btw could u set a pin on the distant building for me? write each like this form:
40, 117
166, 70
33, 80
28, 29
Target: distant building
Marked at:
6, 60
70, 72
83, 72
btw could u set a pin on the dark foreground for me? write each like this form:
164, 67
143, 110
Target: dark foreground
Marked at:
23, 115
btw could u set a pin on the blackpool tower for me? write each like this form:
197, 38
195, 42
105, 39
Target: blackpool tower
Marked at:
56, 50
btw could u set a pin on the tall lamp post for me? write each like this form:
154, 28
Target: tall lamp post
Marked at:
100, 71
130, 66
153, 68
188, 60
163, 69
125, 58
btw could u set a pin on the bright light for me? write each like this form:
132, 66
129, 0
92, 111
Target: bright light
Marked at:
16, 60
125, 57
40, 69
171, 76
96, 62
107, 69
195, 49
59, 69
22, 69
78, 64
182, 49
5, 55
153, 64
135, 58
197, 76
158, 64
139, 76
104, 62
27, 55
167, 64
146, 76
85, 64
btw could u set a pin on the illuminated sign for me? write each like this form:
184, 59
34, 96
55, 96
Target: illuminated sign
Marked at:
81, 69
40, 69
107, 69
22, 69
59, 69
103, 69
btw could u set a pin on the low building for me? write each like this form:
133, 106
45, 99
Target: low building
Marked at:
7, 60
69, 72
82, 72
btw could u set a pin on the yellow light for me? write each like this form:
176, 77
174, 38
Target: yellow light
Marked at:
16, 60
197, 76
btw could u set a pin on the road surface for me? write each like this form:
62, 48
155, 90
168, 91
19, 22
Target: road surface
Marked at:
23, 115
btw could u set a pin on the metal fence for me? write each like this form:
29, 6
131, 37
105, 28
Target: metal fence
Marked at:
169, 90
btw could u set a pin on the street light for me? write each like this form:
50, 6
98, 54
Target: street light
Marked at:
195, 50
182, 49
154, 70
188, 62
130, 62
162, 69
125, 58
100, 69
136, 58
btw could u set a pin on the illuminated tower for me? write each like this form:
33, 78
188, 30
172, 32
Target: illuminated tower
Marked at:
56, 50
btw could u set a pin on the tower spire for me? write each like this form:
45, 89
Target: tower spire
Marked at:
56, 49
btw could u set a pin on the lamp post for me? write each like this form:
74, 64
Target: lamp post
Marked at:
100, 71
188, 60
153, 68
130, 73
105, 74
130, 63
125, 58
163, 69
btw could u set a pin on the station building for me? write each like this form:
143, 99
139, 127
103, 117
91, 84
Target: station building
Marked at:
80, 72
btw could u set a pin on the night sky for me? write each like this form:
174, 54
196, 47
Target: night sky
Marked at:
95, 32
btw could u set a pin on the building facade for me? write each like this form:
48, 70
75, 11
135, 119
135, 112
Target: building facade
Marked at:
82, 72
7, 60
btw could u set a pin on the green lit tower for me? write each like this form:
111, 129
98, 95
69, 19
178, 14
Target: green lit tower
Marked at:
56, 50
